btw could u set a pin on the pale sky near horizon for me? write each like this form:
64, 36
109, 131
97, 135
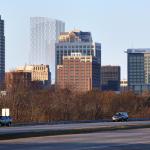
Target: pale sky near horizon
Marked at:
116, 24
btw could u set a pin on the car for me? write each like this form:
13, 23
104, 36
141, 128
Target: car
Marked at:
5, 120
120, 116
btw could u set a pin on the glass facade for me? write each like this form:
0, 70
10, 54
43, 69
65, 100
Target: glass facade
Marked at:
66, 48
110, 78
138, 69
44, 34
2, 52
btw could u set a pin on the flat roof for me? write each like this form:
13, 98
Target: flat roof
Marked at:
138, 50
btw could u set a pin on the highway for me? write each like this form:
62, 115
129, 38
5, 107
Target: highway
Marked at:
133, 139
37, 128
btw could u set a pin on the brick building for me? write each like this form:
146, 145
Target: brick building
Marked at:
79, 73
15, 80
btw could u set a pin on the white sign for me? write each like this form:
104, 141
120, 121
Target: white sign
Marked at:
3, 93
5, 112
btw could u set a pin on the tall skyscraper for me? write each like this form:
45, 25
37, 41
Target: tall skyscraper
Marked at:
44, 34
86, 73
138, 69
110, 78
2, 52
77, 42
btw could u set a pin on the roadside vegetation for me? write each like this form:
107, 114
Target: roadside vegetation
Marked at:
54, 104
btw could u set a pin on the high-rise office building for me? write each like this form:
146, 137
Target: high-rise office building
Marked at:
77, 42
2, 53
79, 73
44, 34
138, 69
110, 78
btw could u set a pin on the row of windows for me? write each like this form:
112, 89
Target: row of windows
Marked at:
136, 69
40, 68
72, 51
76, 46
136, 60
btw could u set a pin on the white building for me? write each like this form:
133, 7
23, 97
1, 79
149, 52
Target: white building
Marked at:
44, 34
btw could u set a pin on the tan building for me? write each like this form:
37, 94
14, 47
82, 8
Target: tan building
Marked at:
79, 73
38, 72
124, 86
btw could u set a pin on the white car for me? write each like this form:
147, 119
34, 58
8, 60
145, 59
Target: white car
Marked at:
120, 116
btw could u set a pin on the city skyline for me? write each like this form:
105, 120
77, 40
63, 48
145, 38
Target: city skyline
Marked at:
117, 25
74, 74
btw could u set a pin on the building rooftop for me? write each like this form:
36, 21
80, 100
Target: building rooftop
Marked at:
75, 36
138, 50
110, 66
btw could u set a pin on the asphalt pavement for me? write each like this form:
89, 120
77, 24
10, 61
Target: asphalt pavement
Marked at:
36, 128
133, 139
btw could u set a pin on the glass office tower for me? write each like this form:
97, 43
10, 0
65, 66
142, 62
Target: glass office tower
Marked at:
2, 52
44, 34
138, 69
77, 42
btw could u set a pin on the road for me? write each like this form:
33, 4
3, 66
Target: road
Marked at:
135, 139
37, 128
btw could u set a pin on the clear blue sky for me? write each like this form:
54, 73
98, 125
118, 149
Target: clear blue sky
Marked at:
117, 24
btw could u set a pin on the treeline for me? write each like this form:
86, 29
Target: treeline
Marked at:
46, 105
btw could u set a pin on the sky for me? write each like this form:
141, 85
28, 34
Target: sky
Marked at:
116, 24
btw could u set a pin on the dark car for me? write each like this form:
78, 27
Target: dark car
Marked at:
120, 116
5, 120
